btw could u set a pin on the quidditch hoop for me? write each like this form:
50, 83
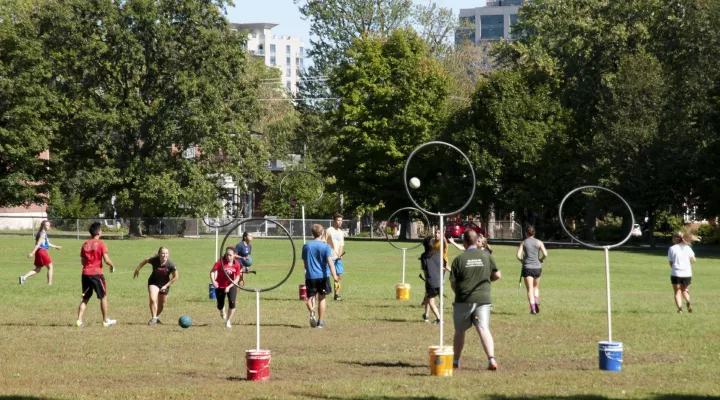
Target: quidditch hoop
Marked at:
593, 246
390, 219
292, 243
322, 186
238, 200
407, 189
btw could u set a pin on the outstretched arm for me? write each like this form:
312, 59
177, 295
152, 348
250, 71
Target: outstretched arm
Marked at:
457, 246
137, 270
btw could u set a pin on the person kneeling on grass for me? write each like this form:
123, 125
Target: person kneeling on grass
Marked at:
159, 281
226, 267
92, 254
317, 260
470, 276
430, 264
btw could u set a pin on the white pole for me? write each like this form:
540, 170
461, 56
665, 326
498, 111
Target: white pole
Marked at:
302, 207
607, 288
257, 319
404, 251
442, 282
216, 244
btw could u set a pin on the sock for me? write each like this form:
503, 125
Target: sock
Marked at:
532, 307
537, 300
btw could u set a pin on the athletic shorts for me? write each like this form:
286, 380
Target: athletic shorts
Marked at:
680, 280
159, 284
467, 314
532, 272
94, 283
338, 266
321, 286
42, 258
431, 292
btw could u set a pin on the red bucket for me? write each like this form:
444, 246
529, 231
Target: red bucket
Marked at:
302, 291
258, 365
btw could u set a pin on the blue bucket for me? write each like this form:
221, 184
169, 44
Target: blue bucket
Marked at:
610, 356
212, 292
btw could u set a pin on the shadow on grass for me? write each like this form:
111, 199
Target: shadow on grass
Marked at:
314, 395
279, 325
398, 364
9, 324
393, 320
19, 397
599, 397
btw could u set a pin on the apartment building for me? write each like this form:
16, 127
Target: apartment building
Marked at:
492, 22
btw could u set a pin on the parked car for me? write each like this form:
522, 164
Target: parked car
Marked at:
456, 229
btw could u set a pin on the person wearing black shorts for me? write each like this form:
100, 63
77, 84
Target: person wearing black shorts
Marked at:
532, 254
430, 264
164, 273
226, 275
92, 254
317, 260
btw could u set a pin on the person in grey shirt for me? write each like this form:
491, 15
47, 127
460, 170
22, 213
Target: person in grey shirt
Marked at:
531, 254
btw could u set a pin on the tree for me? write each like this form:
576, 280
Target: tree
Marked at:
141, 81
26, 102
393, 97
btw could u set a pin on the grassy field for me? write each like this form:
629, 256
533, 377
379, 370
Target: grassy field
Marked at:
373, 346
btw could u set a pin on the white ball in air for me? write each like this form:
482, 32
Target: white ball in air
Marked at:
414, 183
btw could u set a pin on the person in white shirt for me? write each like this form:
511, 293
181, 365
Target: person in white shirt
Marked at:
335, 237
681, 257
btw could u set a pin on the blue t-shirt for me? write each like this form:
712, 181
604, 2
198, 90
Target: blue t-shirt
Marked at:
242, 249
45, 243
315, 254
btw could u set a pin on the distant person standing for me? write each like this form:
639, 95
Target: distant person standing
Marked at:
430, 265
318, 263
164, 273
40, 252
243, 250
470, 277
92, 254
681, 257
532, 254
335, 237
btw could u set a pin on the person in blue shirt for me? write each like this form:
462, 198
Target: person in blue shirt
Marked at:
317, 260
40, 252
243, 250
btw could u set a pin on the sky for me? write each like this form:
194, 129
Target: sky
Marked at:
285, 13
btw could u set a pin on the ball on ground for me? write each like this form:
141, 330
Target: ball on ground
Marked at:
414, 183
185, 321
247, 262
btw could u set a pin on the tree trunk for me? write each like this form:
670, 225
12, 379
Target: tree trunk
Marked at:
651, 228
590, 219
135, 220
404, 219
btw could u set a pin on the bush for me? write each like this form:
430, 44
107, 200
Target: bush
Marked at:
708, 234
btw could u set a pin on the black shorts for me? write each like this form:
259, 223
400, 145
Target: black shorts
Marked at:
152, 282
679, 280
431, 292
321, 286
532, 272
92, 283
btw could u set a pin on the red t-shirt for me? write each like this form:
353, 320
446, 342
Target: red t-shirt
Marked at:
91, 255
233, 270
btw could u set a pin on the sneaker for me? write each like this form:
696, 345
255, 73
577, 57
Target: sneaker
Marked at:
109, 322
223, 315
425, 318
680, 311
437, 321
456, 364
228, 324
153, 321
533, 312
158, 321
338, 298
79, 324
689, 307
21, 280
313, 321
492, 365
537, 308
320, 324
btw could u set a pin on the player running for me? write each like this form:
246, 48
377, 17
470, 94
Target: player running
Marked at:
335, 237
164, 273
681, 258
92, 254
40, 252
226, 266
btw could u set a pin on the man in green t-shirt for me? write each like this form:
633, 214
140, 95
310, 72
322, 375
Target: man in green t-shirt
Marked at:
470, 277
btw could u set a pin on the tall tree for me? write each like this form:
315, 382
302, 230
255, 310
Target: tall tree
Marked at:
26, 102
141, 81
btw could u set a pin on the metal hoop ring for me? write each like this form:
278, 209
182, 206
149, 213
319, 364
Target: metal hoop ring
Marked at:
592, 246
292, 243
390, 219
407, 189
322, 186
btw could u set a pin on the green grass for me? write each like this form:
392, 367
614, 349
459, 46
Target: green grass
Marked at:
373, 346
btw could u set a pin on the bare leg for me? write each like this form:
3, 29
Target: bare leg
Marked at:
458, 344
536, 287
162, 300
81, 309
153, 299
50, 273
431, 305
321, 307
31, 273
487, 341
104, 308
685, 293
678, 295
529, 286
310, 303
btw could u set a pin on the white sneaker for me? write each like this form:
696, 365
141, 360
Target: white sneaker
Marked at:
79, 324
21, 280
228, 324
223, 315
109, 322
313, 321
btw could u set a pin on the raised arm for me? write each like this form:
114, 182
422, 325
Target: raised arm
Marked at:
137, 270
457, 246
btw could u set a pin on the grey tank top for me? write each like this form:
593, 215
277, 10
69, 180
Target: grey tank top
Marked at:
531, 251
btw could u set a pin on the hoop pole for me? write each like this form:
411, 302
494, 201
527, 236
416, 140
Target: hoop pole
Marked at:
607, 288
216, 244
302, 207
442, 283
403, 275
257, 319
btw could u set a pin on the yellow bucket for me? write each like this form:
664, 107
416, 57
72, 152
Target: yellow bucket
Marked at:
441, 360
402, 291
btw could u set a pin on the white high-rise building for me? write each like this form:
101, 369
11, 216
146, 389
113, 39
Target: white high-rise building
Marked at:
492, 22
283, 52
